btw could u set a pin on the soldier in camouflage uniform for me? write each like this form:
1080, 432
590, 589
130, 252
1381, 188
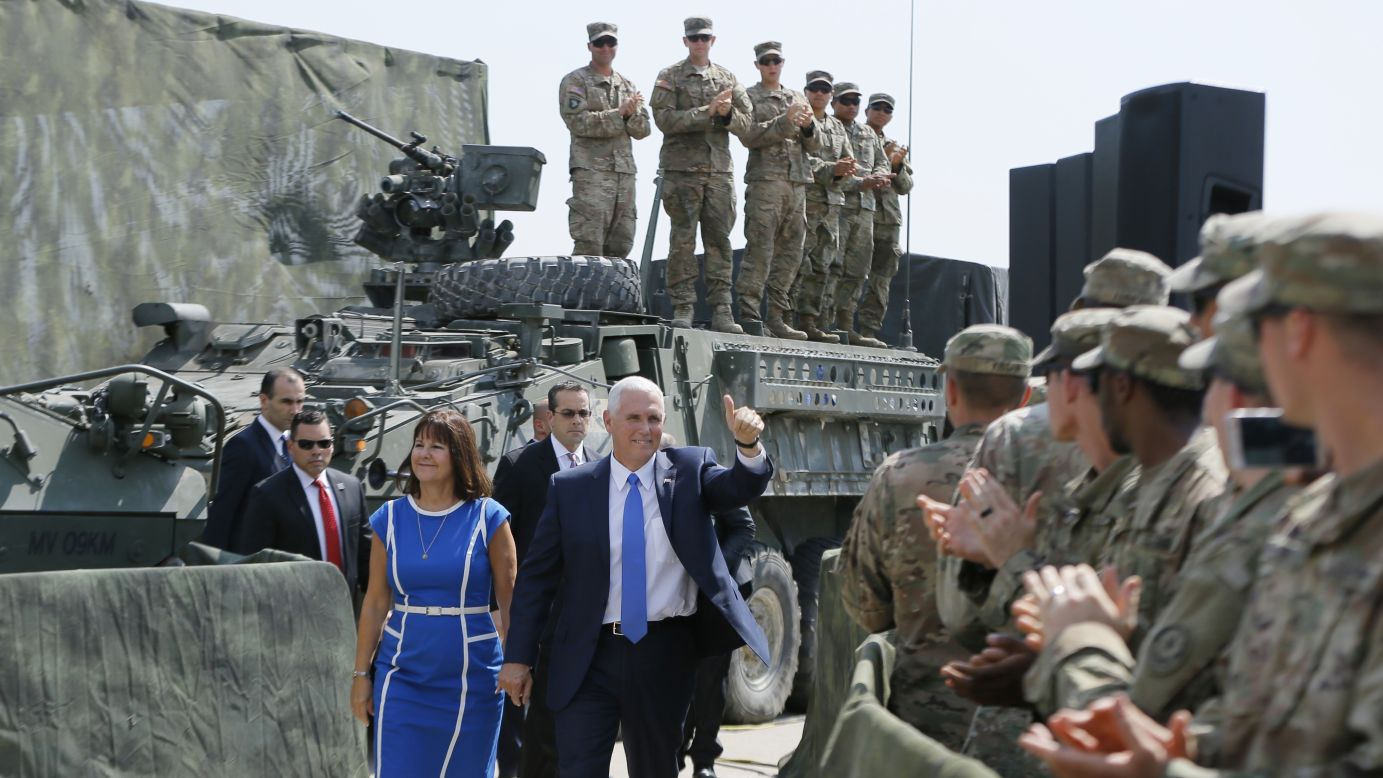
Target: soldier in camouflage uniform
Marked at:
857, 215
697, 104
888, 560
832, 164
603, 110
775, 222
888, 218
1226, 254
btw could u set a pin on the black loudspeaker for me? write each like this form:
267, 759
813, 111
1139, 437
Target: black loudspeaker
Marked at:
1031, 250
1186, 151
1072, 230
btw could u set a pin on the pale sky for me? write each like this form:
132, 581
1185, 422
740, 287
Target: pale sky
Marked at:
996, 84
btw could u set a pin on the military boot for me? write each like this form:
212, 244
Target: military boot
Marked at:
779, 327
870, 336
723, 320
814, 333
845, 321
682, 316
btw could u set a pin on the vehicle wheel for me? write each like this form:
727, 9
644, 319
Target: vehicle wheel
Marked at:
806, 571
756, 692
477, 289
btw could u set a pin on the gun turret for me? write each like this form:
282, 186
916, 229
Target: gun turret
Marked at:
432, 160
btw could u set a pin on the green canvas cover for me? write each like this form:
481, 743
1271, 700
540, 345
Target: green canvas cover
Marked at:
153, 153
237, 669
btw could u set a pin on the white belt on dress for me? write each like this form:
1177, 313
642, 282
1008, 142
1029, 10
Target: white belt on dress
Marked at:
437, 610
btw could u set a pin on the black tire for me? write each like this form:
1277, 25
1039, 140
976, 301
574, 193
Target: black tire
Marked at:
806, 572
477, 289
755, 692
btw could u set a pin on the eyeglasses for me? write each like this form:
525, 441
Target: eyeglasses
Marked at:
699, 38
819, 88
769, 61
568, 413
605, 43
848, 100
885, 107
306, 445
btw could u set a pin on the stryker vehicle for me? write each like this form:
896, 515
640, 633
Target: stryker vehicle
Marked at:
119, 475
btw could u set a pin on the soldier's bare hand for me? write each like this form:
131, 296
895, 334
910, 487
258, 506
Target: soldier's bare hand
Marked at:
744, 424
629, 106
720, 104
800, 114
1003, 529
995, 676
896, 154
1075, 594
953, 528
1027, 616
845, 166
1111, 738
516, 680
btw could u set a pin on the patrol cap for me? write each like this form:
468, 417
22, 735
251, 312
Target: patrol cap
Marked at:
697, 25
1073, 334
989, 348
1231, 352
767, 47
596, 30
818, 77
846, 88
882, 97
1227, 244
1331, 263
1124, 277
1146, 341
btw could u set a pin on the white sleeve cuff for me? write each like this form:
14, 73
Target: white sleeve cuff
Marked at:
757, 463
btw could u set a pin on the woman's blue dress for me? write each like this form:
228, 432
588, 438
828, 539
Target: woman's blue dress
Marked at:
436, 709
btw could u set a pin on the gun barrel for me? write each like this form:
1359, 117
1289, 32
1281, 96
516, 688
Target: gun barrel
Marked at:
370, 128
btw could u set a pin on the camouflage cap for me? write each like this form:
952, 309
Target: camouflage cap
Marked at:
1146, 341
1331, 263
1232, 352
766, 48
1124, 277
1073, 334
597, 30
1227, 244
697, 25
989, 348
882, 97
817, 76
847, 88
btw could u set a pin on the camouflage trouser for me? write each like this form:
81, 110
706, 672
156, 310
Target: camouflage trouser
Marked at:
993, 739
601, 213
707, 199
919, 696
856, 251
775, 224
815, 286
882, 269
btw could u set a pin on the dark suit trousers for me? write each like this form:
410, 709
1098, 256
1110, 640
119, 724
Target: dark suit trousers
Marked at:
510, 742
646, 687
701, 735
539, 758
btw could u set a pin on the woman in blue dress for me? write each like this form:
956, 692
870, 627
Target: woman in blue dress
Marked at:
426, 617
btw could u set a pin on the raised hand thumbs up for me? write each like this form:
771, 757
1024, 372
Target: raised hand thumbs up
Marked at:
744, 424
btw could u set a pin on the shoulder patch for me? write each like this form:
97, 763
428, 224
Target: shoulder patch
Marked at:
573, 103
1168, 649
576, 89
663, 83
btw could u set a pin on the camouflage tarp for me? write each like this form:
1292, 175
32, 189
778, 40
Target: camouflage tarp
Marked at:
153, 153
219, 670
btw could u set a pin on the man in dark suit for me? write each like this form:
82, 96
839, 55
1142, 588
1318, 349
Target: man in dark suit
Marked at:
309, 508
541, 416
522, 488
630, 540
254, 453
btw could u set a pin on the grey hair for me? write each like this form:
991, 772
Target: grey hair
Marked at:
637, 383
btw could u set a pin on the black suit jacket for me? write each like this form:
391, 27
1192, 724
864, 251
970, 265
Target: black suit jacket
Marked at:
277, 515
249, 457
571, 548
521, 487
735, 531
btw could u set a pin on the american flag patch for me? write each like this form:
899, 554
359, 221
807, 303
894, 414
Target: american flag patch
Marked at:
663, 85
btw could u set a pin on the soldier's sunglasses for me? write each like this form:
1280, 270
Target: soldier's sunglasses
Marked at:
568, 413
306, 445
605, 43
771, 61
885, 107
819, 88
699, 38
849, 100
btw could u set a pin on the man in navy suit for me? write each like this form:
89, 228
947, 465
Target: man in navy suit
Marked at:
646, 591
254, 454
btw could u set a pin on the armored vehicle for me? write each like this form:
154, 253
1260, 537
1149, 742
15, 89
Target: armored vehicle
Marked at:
119, 474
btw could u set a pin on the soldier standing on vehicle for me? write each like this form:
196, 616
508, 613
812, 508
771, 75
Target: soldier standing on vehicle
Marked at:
781, 133
697, 105
832, 164
603, 110
888, 218
888, 574
857, 216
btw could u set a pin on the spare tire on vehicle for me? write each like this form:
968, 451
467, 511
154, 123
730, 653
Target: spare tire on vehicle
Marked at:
755, 692
477, 289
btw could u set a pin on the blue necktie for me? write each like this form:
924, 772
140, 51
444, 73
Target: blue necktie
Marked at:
283, 451
633, 611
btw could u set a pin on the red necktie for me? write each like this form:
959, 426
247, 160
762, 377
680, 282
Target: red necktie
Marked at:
329, 523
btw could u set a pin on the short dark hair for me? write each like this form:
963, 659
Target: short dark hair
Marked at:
1360, 335
266, 385
308, 416
565, 386
1171, 400
990, 392
469, 480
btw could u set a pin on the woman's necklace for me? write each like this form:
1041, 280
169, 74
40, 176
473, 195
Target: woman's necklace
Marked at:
428, 546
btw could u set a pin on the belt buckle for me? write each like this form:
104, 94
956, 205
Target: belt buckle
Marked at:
615, 628
434, 610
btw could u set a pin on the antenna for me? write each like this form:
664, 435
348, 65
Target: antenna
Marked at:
905, 341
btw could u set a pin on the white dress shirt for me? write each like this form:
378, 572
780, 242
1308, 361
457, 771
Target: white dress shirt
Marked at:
277, 435
671, 591
564, 456
313, 503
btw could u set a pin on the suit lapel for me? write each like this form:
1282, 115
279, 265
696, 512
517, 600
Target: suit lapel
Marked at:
600, 513
549, 459
299, 497
664, 477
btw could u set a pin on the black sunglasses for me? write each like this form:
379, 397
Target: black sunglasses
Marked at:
605, 42
699, 38
885, 107
306, 445
819, 88
771, 61
567, 413
849, 100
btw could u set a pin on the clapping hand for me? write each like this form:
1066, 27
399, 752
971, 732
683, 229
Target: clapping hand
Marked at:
1112, 738
800, 114
953, 529
720, 104
995, 675
1002, 529
845, 166
745, 425
1075, 594
630, 105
